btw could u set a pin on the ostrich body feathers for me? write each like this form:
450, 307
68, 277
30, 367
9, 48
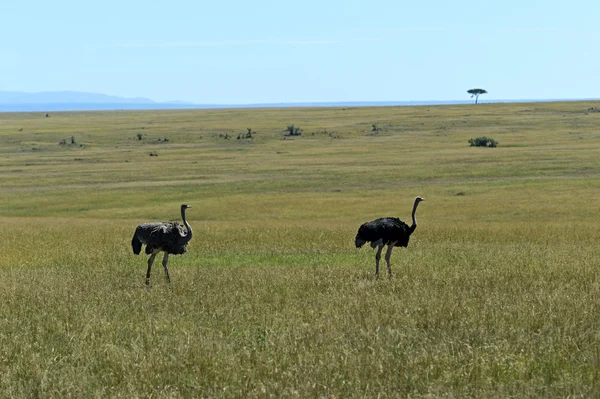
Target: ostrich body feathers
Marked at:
384, 231
164, 236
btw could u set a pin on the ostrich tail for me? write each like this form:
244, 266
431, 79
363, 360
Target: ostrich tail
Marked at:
359, 242
136, 244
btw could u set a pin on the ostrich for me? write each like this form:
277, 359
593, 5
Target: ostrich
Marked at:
168, 237
386, 231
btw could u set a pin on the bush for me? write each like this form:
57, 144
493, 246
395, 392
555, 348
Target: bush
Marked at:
483, 142
292, 130
247, 135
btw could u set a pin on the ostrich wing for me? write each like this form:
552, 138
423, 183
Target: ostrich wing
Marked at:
180, 230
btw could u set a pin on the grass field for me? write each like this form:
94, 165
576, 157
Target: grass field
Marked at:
497, 294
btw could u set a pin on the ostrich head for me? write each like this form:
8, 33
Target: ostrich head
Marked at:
419, 199
185, 206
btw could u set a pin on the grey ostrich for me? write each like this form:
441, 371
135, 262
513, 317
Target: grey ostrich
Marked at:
392, 232
168, 237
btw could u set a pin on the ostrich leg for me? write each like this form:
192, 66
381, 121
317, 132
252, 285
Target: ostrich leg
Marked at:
388, 255
377, 257
150, 262
164, 262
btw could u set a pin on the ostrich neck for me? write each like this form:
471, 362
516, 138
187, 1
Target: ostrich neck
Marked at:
188, 236
414, 212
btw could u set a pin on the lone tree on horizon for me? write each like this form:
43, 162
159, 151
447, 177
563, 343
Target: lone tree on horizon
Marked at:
476, 93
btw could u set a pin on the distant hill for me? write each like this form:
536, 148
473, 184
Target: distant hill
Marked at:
16, 101
65, 97
13, 101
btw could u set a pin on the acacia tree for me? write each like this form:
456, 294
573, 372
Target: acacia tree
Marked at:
476, 93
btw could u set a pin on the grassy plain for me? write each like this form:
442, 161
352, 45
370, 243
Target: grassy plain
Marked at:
497, 294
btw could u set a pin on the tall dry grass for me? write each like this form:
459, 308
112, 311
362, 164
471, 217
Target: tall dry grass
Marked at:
496, 295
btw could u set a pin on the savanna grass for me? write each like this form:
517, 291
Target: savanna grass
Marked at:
496, 295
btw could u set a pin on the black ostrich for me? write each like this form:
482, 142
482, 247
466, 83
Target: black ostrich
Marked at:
392, 232
168, 237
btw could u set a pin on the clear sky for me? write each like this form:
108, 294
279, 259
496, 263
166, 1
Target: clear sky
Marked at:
239, 52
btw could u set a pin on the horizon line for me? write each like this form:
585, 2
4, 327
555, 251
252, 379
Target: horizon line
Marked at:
82, 107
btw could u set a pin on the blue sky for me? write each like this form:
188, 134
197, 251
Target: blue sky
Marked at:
240, 52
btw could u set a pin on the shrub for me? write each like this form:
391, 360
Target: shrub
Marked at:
292, 130
483, 142
247, 135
